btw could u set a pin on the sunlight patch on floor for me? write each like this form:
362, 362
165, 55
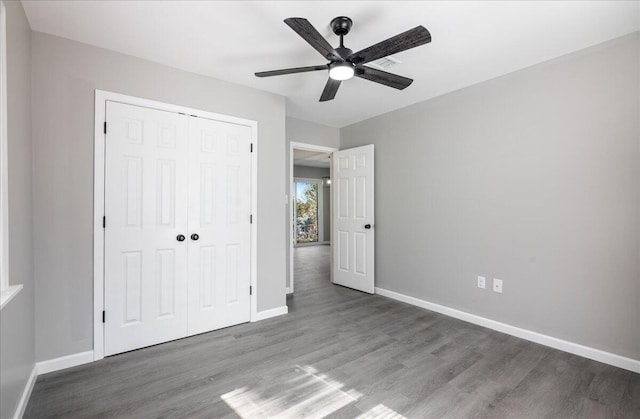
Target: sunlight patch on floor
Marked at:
381, 412
308, 393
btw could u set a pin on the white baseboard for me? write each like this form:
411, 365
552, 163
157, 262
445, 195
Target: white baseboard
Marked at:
563, 345
267, 314
26, 394
64, 362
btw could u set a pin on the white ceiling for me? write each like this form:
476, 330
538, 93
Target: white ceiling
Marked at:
310, 158
472, 41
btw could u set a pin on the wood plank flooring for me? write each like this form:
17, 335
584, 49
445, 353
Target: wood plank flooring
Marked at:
344, 354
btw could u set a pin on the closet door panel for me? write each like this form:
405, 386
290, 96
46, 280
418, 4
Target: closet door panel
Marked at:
146, 200
219, 213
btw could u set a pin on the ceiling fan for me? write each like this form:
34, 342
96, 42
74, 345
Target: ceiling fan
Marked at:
344, 63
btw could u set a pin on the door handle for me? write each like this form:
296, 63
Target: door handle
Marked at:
180, 237
194, 236
367, 226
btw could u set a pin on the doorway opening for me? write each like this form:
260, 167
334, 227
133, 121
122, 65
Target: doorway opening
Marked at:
310, 209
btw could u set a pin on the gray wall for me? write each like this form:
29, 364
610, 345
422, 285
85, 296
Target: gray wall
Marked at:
533, 178
306, 132
65, 74
311, 133
17, 341
319, 173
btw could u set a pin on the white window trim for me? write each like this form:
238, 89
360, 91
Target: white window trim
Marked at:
7, 292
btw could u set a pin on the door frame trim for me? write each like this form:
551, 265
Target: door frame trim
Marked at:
101, 97
307, 147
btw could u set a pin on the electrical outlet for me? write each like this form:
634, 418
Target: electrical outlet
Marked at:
481, 282
497, 285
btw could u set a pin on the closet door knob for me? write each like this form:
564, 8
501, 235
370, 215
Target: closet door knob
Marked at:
180, 237
194, 236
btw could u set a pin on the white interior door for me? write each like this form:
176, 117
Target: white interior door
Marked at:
219, 211
146, 209
353, 217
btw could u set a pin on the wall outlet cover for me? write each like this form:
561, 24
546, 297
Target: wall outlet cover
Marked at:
497, 285
481, 282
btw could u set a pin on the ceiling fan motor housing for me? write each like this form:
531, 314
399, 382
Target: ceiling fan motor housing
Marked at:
344, 52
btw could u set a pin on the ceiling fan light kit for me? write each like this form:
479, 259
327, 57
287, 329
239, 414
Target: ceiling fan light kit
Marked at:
341, 70
344, 63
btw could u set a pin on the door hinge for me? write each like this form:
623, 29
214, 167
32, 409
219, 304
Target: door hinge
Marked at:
104, 222
250, 290
105, 127
251, 219
251, 150
104, 316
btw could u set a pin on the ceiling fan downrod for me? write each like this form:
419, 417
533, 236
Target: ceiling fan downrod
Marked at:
341, 26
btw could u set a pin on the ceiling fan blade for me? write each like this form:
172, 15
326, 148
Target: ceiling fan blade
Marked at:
306, 30
330, 90
291, 71
382, 77
401, 42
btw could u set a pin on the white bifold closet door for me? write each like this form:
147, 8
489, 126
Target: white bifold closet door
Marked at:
219, 211
177, 235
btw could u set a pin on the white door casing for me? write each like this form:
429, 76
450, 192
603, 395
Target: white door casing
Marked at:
292, 213
219, 213
353, 231
146, 208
